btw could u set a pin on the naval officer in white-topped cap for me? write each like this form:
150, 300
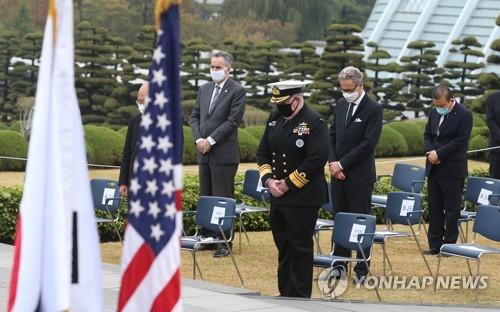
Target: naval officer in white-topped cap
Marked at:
292, 155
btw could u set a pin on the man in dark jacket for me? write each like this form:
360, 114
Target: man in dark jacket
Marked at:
129, 148
291, 156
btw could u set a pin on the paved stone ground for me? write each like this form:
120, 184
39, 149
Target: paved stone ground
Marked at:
203, 296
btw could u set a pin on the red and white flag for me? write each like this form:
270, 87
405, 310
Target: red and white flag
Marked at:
57, 264
151, 252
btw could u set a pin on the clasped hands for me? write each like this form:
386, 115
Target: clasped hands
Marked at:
433, 158
204, 146
277, 188
336, 171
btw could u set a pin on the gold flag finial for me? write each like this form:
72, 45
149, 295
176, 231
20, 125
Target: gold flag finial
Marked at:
162, 6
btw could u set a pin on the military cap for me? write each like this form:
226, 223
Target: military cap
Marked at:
282, 90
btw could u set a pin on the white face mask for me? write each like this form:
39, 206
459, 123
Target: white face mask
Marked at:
350, 97
142, 108
218, 75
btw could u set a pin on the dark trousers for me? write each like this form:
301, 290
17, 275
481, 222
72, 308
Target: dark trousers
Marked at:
353, 199
293, 229
217, 180
495, 165
444, 198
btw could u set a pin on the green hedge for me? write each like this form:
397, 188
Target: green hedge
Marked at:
391, 143
413, 135
12, 144
189, 149
105, 146
478, 142
256, 131
3, 126
16, 126
10, 199
123, 131
247, 145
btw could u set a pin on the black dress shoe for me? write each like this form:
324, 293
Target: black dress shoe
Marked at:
222, 252
359, 279
431, 251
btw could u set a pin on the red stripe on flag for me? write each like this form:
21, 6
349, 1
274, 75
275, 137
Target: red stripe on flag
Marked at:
15, 268
135, 272
169, 296
178, 200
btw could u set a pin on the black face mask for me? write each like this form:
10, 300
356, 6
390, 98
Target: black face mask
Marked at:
286, 109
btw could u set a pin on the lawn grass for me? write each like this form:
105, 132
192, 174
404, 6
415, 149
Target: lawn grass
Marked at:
258, 265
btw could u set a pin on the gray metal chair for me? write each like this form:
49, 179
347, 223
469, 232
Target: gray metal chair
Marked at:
324, 224
486, 224
252, 188
215, 214
106, 198
401, 208
346, 225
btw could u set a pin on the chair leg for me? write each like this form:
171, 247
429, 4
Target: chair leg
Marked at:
420, 249
196, 265
423, 225
468, 265
232, 256
369, 271
386, 257
316, 240
477, 284
117, 232
437, 272
241, 222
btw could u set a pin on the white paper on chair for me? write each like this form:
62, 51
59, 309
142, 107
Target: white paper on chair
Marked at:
357, 229
406, 206
472, 248
483, 197
219, 212
259, 186
108, 192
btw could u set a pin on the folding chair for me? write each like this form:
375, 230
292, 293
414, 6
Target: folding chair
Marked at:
402, 208
485, 224
214, 214
355, 232
324, 224
106, 197
405, 177
479, 191
252, 187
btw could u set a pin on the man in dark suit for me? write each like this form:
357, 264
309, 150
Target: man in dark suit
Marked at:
446, 137
493, 121
291, 157
354, 134
129, 148
216, 115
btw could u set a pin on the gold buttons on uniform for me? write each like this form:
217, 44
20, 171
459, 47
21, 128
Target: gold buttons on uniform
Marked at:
284, 155
285, 171
274, 176
284, 163
274, 153
274, 160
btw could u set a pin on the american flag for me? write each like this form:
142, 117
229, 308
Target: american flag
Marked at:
151, 252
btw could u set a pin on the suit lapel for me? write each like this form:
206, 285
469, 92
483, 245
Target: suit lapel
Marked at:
222, 94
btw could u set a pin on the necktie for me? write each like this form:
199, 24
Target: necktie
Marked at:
349, 113
440, 123
216, 95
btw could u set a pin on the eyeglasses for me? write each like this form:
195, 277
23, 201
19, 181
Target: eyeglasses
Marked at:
139, 102
349, 91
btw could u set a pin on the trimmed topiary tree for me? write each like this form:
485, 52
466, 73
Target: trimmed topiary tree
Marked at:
106, 145
16, 126
478, 142
12, 144
413, 135
3, 126
248, 146
391, 143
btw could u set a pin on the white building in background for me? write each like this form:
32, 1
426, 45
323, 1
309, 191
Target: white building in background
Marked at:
393, 24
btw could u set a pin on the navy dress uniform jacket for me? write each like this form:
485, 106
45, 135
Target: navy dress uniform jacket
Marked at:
297, 152
493, 120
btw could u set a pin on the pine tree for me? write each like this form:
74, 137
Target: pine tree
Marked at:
9, 47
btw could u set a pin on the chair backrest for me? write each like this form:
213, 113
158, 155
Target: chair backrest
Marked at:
400, 203
211, 208
328, 206
487, 222
408, 177
252, 185
349, 225
478, 189
102, 189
